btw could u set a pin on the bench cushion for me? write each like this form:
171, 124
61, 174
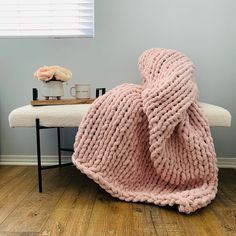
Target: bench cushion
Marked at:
217, 116
50, 116
71, 115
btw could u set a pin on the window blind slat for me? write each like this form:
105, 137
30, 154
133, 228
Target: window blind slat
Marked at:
47, 2
38, 8
43, 20
80, 16
43, 26
58, 33
46, 18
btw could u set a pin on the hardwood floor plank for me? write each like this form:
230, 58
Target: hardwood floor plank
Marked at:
5, 169
9, 173
110, 216
164, 220
15, 191
18, 234
226, 195
72, 213
143, 222
35, 209
215, 226
194, 224
226, 220
72, 204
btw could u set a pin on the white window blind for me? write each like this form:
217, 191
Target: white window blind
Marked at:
43, 18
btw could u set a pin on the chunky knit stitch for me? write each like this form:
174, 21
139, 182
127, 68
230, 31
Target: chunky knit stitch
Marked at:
151, 142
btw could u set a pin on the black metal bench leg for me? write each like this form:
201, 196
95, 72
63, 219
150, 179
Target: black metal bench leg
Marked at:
39, 156
59, 145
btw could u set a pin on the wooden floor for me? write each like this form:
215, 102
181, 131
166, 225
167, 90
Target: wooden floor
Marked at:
74, 205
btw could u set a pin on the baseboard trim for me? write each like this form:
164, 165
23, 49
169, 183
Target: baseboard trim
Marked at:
31, 160
226, 162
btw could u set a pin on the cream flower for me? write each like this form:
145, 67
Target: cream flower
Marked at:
47, 73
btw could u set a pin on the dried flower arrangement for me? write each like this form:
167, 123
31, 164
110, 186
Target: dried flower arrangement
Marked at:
53, 78
48, 73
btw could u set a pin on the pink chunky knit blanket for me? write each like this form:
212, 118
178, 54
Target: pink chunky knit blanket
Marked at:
151, 142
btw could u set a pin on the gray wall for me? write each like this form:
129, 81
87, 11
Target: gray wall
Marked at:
204, 30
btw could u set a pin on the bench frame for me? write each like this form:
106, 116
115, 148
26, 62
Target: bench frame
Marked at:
59, 148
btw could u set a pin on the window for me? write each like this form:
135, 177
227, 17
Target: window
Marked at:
46, 18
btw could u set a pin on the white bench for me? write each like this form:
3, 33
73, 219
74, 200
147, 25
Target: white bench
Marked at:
71, 115
44, 117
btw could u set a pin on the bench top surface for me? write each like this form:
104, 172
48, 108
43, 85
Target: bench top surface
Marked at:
71, 115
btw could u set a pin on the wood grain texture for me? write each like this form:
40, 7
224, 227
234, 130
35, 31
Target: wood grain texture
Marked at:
14, 190
71, 215
9, 173
35, 208
53, 102
72, 204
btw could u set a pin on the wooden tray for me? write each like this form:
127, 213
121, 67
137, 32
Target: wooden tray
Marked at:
52, 102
